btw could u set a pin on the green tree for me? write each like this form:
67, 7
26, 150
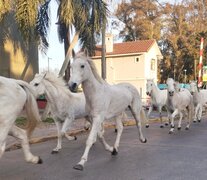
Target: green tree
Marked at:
87, 18
183, 26
141, 19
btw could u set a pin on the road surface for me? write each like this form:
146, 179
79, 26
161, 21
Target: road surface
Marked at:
178, 156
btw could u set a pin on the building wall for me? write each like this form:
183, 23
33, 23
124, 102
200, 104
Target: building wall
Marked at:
124, 69
17, 59
129, 69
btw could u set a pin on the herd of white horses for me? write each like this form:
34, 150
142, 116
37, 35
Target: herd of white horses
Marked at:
98, 102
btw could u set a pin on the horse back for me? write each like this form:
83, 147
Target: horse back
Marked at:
12, 97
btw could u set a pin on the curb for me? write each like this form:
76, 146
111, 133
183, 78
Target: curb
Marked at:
36, 140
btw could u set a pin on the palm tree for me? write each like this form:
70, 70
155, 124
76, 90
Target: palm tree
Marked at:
31, 16
87, 17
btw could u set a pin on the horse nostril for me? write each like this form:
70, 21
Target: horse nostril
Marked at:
73, 87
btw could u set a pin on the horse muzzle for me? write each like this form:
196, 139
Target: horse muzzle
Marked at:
171, 93
149, 94
73, 87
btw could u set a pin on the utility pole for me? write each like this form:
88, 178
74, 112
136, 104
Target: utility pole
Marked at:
103, 52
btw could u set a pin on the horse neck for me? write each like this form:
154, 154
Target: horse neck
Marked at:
155, 91
90, 87
54, 92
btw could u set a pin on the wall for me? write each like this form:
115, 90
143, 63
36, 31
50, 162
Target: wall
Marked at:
17, 59
125, 69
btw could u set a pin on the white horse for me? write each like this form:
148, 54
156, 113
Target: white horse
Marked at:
199, 100
65, 106
158, 99
103, 101
179, 102
16, 95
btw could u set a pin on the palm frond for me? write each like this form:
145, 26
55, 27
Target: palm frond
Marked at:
42, 24
5, 6
26, 16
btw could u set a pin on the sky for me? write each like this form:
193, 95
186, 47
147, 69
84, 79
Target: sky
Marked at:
54, 57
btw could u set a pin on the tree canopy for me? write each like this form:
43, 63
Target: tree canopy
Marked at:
177, 27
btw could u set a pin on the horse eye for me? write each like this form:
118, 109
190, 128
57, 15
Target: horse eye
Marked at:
36, 84
82, 66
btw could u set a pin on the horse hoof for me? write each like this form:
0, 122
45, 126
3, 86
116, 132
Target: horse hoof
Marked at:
199, 120
147, 126
86, 128
54, 152
187, 128
78, 167
115, 130
179, 128
144, 141
114, 152
166, 124
161, 126
75, 138
194, 121
170, 132
40, 161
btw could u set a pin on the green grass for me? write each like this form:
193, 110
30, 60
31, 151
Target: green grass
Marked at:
48, 120
22, 121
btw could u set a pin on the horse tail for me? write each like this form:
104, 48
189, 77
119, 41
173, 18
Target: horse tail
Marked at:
30, 107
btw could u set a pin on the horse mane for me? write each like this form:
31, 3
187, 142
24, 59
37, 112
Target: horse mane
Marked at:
82, 55
57, 82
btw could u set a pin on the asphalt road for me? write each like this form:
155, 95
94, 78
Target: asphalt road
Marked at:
178, 156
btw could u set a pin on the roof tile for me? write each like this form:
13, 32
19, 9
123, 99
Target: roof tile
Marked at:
128, 47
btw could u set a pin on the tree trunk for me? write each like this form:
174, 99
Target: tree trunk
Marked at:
103, 53
69, 53
66, 46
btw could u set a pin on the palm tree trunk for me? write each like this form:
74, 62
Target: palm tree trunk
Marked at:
69, 53
103, 53
66, 46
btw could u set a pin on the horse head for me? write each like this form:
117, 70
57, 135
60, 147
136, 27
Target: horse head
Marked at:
149, 87
171, 86
193, 87
79, 70
37, 83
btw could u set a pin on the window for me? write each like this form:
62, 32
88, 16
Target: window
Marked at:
152, 64
136, 59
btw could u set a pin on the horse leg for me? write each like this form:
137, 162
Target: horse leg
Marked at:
87, 123
180, 121
200, 113
172, 121
4, 130
168, 116
96, 127
136, 114
160, 113
103, 141
190, 111
59, 137
66, 126
119, 126
148, 115
22, 135
196, 113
